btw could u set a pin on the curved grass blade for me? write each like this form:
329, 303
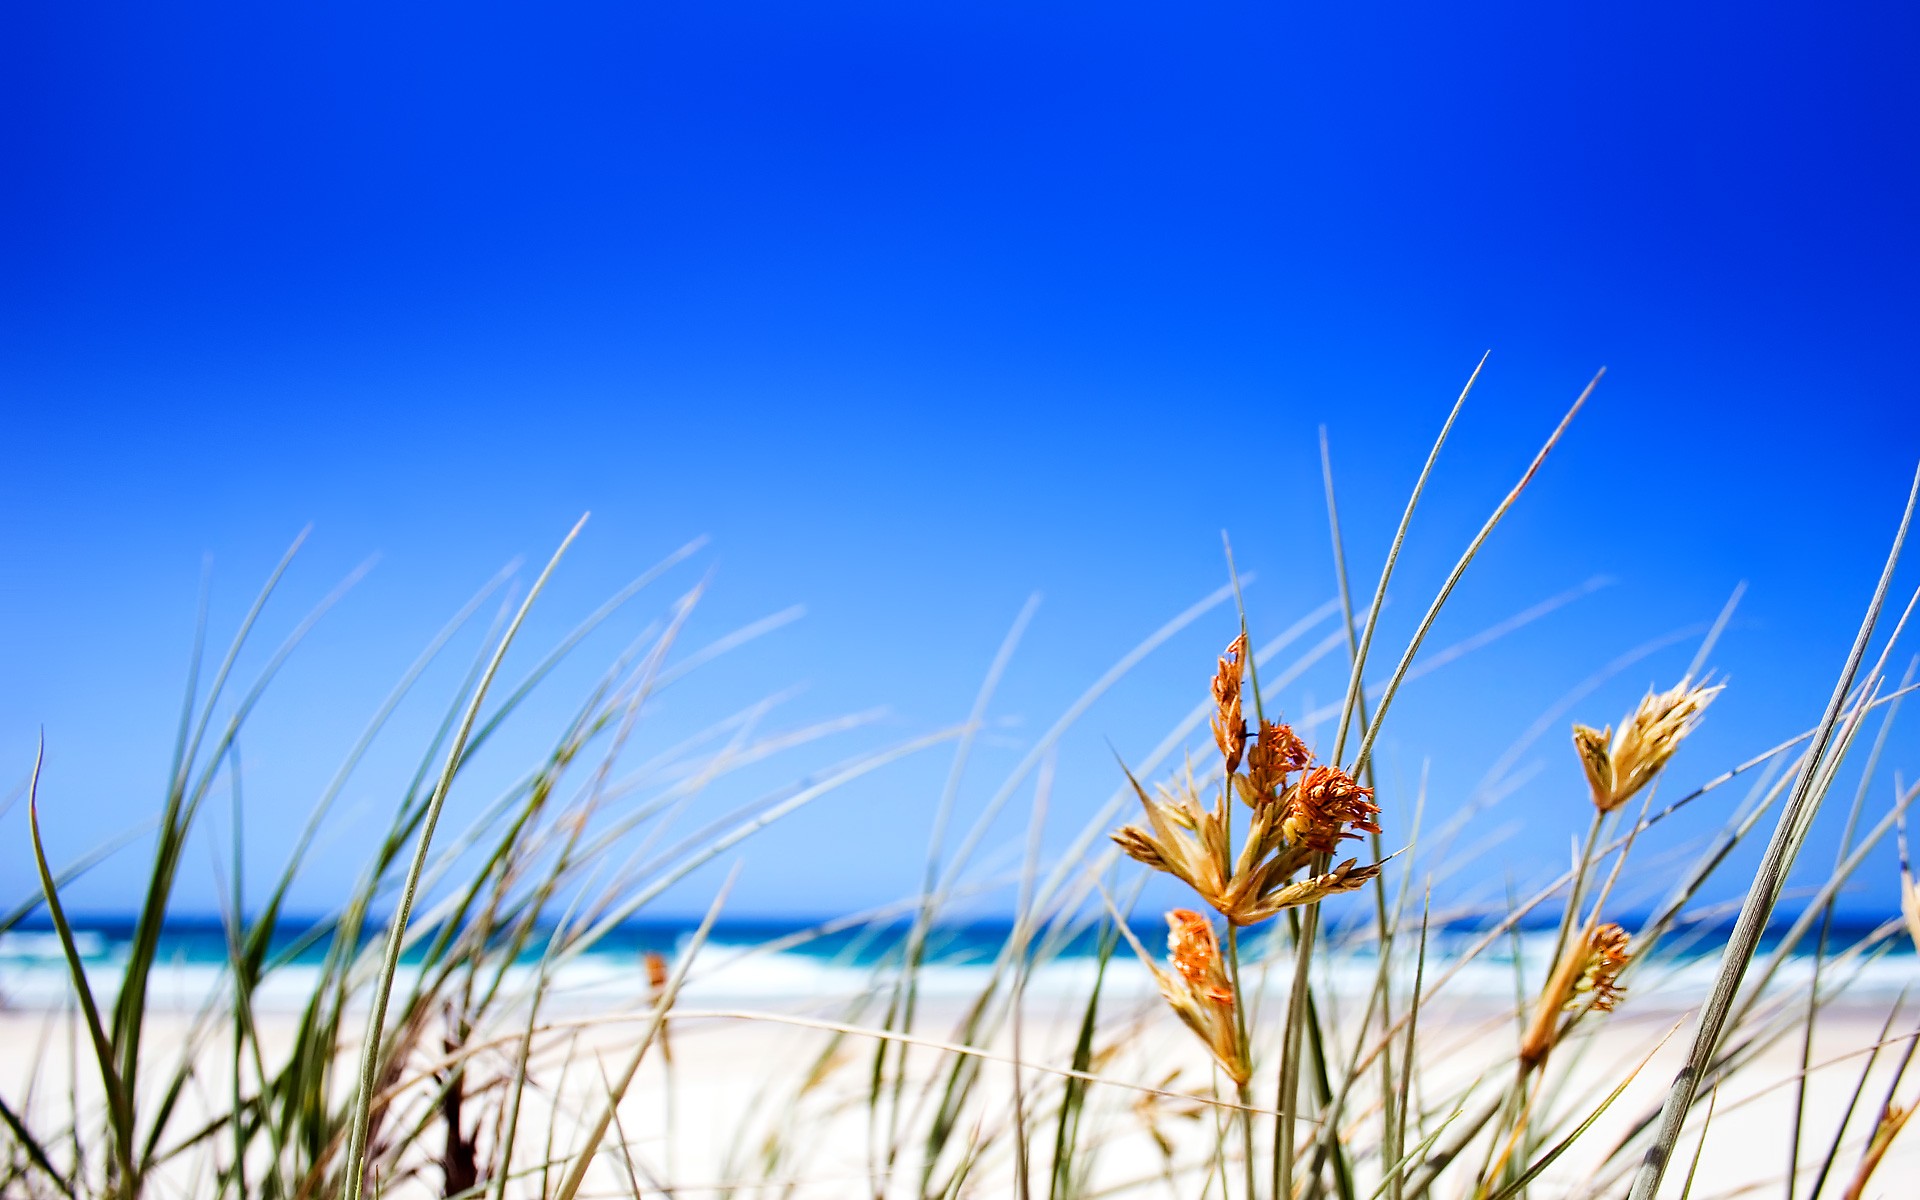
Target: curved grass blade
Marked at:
35, 1152
383, 983
119, 1103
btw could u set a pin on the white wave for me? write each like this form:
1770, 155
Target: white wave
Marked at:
33, 975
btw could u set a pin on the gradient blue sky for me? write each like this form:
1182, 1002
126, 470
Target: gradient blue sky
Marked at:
919, 309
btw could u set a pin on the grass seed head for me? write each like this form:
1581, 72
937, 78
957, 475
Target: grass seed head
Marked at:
1229, 724
1183, 838
1195, 954
1590, 966
1346, 877
1140, 846
1278, 754
1597, 761
1292, 822
1326, 808
1618, 766
1199, 991
1608, 950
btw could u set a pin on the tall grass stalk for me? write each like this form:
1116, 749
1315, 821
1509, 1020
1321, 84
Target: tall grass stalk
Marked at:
397, 929
1298, 1002
1764, 893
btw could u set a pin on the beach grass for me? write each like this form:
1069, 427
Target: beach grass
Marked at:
430, 1055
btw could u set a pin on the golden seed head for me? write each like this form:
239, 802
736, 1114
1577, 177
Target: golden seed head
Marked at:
1229, 725
1278, 754
1348, 876
1181, 806
1617, 770
1299, 813
1608, 951
1139, 846
1182, 838
1325, 808
656, 971
1597, 761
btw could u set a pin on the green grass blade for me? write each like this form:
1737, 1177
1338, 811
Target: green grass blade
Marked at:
72, 871
183, 806
1289, 1090
36, 1154
383, 983
1395, 1171
119, 1103
1365, 644
1073, 1095
1392, 688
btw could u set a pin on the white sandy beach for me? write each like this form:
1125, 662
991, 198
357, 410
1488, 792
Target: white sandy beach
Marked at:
703, 1126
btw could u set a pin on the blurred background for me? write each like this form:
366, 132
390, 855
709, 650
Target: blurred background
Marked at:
918, 311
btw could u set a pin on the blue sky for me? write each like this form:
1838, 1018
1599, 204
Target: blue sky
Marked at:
918, 310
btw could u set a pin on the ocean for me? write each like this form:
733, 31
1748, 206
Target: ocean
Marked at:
785, 962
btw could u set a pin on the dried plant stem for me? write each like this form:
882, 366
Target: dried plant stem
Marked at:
1576, 890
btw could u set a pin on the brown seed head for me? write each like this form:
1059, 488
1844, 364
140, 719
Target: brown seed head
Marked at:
1181, 837
1195, 953
1198, 991
1325, 808
1229, 725
1278, 754
1589, 966
1608, 951
656, 971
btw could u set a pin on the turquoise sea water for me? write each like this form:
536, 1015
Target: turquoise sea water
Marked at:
795, 961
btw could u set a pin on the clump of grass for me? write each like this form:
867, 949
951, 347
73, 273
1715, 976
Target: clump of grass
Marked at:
1318, 1047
